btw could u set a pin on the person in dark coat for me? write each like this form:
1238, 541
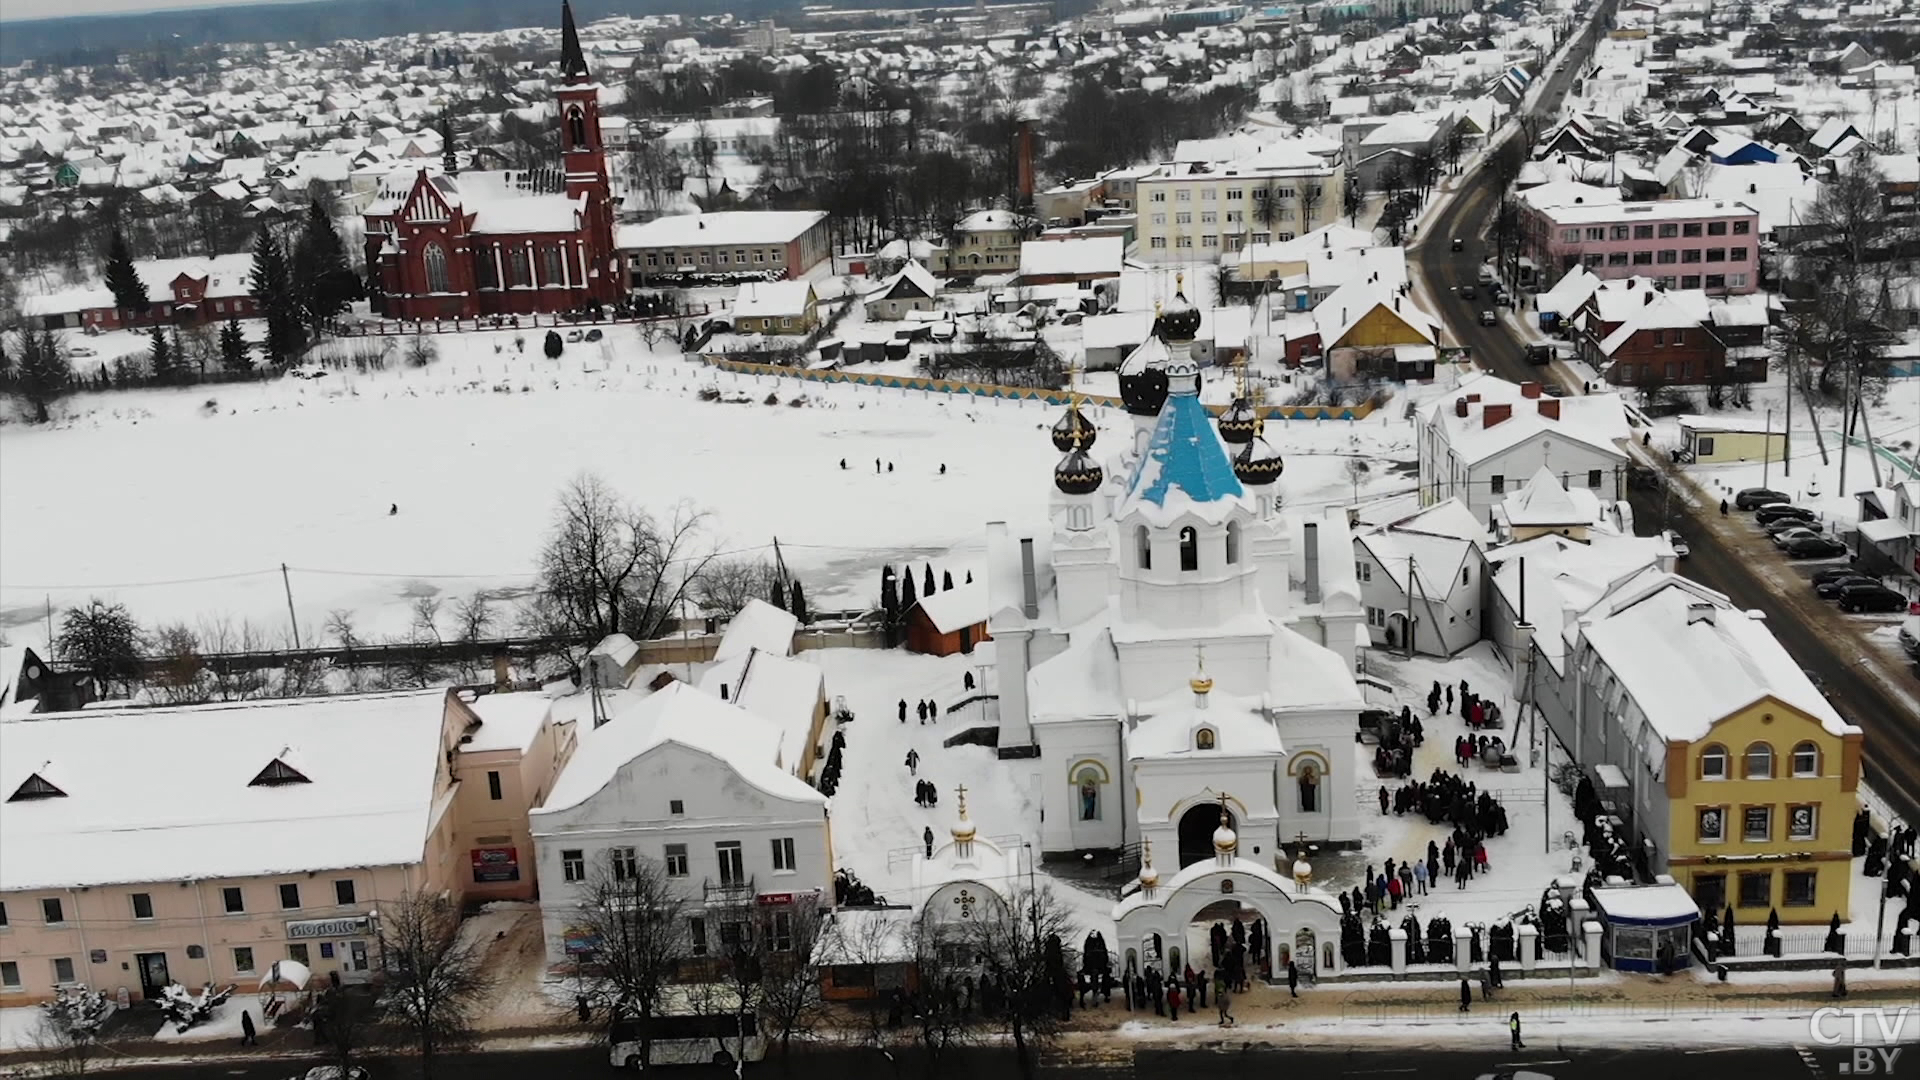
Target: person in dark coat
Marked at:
1723, 508
903, 710
1449, 699
1513, 1026
1383, 798
1293, 979
1466, 996
247, 1037
926, 837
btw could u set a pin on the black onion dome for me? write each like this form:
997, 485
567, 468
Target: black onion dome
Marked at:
1078, 473
1239, 423
1257, 463
1143, 380
1073, 431
1179, 320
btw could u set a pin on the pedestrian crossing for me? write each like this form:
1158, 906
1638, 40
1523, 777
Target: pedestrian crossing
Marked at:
1813, 1063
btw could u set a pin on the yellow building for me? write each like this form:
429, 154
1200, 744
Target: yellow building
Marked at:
1713, 439
1742, 779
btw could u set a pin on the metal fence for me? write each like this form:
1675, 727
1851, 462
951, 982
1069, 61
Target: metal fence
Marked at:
1360, 1005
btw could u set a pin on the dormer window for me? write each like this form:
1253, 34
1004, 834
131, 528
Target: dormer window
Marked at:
278, 773
1203, 739
35, 787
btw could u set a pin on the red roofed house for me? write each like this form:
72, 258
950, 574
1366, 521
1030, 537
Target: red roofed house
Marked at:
948, 622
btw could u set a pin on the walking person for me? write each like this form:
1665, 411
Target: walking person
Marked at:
1513, 1025
926, 837
1383, 799
1293, 979
913, 762
903, 710
1420, 877
1223, 1003
1840, 979
247, 1037
1466, 996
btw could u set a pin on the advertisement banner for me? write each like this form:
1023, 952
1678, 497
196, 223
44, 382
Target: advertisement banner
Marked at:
496, 864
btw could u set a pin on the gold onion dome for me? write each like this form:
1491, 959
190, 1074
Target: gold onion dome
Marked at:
1240, 422
1201, 683
1078, 473
1073, 431
1257, 463
962, 829
1149, 877
1225, 840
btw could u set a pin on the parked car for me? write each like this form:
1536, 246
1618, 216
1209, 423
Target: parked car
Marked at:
1775, 528
81, 351
1678, 543
1872, 597
1466, 292
1910, 636
1488, 318
1539, 354
1773, 512
1833, 587
1815, 547
1833, 573
1789, 532
1755, 498
1458, 244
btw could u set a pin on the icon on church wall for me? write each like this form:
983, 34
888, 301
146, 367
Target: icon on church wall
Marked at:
1089, 781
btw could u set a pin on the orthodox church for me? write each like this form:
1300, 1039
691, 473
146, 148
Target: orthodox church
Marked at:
1170, 644
452, 245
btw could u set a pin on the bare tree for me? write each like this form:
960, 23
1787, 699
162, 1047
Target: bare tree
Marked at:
727, 584
1021, 942
414, 664
340, 627
232, 681
473, 619
436, 976
183, 678
346, 1022
64, 1050
769, 974
635, 916
943, 956
608, 567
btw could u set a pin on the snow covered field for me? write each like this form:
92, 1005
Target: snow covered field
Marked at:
183, 504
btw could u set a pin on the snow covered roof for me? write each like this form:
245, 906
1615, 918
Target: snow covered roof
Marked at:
507, 721
728, 227
1690, 658
1185, 465
1665, 903
758, 625
1081, 681
1570, 293
1597, 420
1166, 727
956, 608
758, 299
782, 690
1546, 501
1663, 312
678, 714
369, 761
1083, 257
988, 221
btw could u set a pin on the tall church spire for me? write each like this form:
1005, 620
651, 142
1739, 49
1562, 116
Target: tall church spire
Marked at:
573, 62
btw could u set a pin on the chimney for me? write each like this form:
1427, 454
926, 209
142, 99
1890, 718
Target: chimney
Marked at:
1701, 612
1460, 406
1550, 408
1493, 414
1312, 547
1029, 587
1473, 398
1529, 389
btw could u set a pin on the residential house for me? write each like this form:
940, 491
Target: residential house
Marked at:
984, 242
1479, 441
1081, 261
1890, 526
912, 289
784, 243
1421, 579
775, 307
950, 621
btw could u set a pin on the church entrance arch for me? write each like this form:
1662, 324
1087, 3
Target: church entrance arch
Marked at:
1240, 908
1197, 827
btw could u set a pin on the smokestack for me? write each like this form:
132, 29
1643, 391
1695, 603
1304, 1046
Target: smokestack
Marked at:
1312, 548
1029, 586
1494, 414
1460, 406
1529, 389
1550, 408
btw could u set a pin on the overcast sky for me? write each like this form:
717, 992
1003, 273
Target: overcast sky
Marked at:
47, 9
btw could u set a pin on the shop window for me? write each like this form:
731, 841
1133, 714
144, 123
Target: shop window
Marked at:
298, 953
1756, 824
1756, 889
1801, 888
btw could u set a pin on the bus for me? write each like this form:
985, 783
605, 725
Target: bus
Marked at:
692, 1025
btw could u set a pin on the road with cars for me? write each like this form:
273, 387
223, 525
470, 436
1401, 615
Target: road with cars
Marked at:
1867, 681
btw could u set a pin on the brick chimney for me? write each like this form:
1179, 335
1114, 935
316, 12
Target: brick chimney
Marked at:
1472, 398
1529, 389
1493, 414
1550, 408
1460, 406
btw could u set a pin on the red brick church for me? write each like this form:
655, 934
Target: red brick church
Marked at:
461, 245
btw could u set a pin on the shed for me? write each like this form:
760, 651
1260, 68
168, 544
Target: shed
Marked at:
948, 622
1648, 928
1713, 439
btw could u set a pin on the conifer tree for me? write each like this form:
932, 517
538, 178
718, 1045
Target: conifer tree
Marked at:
234, 355
798, 606
44, 374
129, 292
779, 597
926, 586
323, 282
271, 286
160, 361
907, 599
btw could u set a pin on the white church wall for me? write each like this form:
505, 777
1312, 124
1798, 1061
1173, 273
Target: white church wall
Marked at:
1075, 750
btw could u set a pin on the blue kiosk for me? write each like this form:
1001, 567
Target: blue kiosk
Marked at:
1646, 928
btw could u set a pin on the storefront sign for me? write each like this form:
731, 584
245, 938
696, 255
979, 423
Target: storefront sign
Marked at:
771, 898
496, 864
357, 926
580, 941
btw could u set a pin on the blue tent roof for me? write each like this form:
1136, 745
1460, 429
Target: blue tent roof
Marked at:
1185, 453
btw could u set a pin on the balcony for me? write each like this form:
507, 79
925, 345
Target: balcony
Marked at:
725, 893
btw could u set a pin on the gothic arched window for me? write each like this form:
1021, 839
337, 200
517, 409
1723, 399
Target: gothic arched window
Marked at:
1144, 546
436, 264
576, 128
1189, 549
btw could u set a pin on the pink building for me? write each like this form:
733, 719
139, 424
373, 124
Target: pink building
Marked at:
1710, 244
142, 847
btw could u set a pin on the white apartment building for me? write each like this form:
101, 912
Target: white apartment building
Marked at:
1190, 212
699, 786
1484, 439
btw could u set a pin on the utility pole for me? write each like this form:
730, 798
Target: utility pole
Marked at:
49, 624
1766, 450
1407, 630
293, 621
1786, 426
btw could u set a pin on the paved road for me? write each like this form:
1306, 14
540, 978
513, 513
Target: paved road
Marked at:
1231, 1062
1821, 639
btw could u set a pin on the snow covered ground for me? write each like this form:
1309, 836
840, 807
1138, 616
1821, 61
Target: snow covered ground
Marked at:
184, 503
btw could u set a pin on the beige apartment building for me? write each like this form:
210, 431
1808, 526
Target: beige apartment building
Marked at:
1195, 212
142, 847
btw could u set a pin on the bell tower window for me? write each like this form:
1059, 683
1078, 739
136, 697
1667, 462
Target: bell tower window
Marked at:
1189, 549
1144, 546
576, 128
1233, 542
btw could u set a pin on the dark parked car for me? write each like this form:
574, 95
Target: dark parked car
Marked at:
1834, 573
1775, 528
1773, 512
1815, 547
1539, 354
1755, 498
1871, 597
1833, 587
